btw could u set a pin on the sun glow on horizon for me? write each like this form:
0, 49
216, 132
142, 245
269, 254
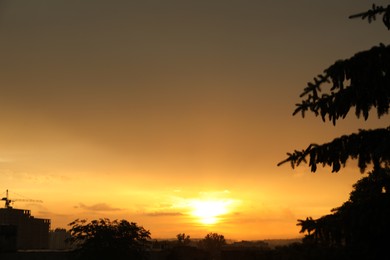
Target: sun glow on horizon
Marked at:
208, 212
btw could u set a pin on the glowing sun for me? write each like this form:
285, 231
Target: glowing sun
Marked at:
209, 211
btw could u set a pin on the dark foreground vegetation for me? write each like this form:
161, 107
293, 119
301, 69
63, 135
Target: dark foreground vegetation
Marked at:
359, 228
295, 251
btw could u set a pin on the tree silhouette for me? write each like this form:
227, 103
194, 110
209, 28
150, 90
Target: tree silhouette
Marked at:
361, 223
361, 82
326, 230
213, 243
105, 239
365, 215
307, 225
183, 239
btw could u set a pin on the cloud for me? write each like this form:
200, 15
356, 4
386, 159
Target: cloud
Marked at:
98, 207
53, 214
163, 214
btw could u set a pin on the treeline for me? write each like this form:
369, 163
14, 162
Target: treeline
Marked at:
106, 239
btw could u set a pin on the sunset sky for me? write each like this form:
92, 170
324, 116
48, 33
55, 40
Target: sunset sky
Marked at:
172, 114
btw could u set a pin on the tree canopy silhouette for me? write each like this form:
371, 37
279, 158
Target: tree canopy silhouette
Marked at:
361, 223
361, 82
105, 239
183, 239
212, 243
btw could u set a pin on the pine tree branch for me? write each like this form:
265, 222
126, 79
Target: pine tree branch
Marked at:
362, 81
371, 14
367, 146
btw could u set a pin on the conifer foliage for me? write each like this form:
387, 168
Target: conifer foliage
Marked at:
362, 83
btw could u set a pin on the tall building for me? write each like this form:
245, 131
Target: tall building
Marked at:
58, 239
31, 233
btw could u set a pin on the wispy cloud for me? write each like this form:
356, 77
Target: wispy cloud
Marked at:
163, 214
53, 214
98, 207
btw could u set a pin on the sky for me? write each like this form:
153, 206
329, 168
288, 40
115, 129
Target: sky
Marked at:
173, 114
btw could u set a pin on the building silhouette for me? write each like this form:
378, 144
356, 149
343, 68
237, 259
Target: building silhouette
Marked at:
30, 232
58, 239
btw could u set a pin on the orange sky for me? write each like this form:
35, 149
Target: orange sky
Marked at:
144, 109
